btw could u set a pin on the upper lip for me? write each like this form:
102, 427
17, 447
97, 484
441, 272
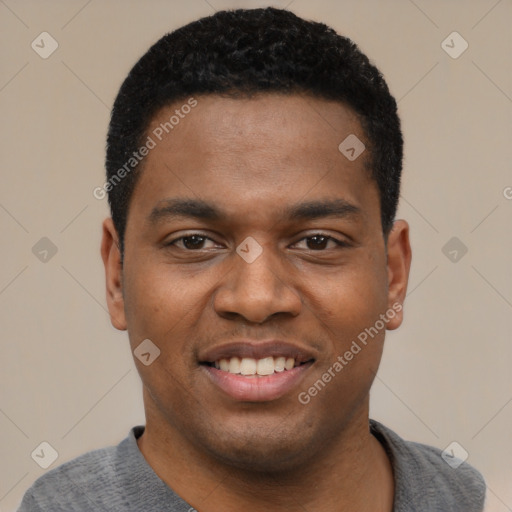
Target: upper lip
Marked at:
257, 350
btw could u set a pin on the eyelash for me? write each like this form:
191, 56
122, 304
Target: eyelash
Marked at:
339, 243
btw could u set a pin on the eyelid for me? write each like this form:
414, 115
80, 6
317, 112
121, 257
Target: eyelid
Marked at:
337, 241
187, 235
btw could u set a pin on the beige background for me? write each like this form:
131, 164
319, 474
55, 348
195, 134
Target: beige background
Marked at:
67, 376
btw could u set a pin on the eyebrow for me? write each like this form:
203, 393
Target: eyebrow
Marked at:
173, 208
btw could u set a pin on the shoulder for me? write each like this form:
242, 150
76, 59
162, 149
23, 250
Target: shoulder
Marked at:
426, 481
88, 482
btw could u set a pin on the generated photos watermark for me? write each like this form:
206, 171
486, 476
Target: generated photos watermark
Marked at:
356, 347
152, 141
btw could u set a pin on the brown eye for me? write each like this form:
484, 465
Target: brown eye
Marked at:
193, 242
190, 242
319, 242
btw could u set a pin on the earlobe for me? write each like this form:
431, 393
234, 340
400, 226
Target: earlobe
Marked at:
399, 263
111, 256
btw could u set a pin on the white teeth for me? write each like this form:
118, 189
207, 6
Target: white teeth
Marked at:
250, 366
234, 365
279, 364
265, 366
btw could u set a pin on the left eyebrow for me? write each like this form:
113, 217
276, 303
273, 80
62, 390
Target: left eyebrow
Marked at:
339, 208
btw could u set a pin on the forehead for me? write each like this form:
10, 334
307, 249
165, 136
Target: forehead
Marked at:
298, 121
261, 150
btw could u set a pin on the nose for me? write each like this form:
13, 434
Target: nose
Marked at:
257, 290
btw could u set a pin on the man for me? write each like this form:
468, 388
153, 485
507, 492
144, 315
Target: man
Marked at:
253, 256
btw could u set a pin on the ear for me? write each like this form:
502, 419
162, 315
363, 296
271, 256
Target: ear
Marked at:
111, 256
398, 263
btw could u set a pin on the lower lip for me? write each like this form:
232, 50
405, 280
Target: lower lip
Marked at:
257, 388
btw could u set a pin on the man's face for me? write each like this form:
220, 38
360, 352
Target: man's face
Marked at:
319, 281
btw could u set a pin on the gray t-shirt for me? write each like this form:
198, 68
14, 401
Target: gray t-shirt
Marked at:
118, 479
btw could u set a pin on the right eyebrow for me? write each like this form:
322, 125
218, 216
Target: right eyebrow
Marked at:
169, 209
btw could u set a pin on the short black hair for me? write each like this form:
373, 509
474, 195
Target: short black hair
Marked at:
238, 53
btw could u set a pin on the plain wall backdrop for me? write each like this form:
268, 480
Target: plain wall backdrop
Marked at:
67, 376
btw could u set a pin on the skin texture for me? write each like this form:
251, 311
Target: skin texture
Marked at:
252, 158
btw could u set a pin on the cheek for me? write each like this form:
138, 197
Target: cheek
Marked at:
160, 307
155, 302
351, 298
168, 305
348, 310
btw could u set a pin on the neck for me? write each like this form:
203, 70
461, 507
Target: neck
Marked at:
353, 473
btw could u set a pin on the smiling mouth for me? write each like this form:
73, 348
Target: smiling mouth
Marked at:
250, 367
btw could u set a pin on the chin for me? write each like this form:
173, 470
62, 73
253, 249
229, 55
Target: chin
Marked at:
263, 450
264, 461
